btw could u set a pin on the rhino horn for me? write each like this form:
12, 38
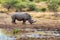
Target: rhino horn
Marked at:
33, 21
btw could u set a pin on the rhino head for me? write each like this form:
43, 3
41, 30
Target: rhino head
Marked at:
33, 21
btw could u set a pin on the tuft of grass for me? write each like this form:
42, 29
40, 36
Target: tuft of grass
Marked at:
15, 31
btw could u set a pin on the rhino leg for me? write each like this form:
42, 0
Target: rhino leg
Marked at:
30, 21
24, 21
13, 21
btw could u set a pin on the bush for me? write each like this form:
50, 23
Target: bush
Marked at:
31, 6
39, 1
31, 0
10, 4
37, 9
25, 0
21, 6
43, 9
53, 5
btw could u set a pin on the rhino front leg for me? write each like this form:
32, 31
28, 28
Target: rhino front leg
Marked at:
13, 21
24, 22
30, 21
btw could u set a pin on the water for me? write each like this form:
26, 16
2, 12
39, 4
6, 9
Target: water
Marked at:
45, 34
40, 33
34, 33
4, 36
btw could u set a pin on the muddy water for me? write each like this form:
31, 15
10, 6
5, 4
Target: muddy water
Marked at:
5, 35
40, 33
31, 33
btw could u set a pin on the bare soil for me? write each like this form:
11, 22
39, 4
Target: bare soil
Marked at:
48, 24
42, 23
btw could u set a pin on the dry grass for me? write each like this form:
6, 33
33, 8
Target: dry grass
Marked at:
43, 21
45, 15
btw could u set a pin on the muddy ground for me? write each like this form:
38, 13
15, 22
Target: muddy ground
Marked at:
39, 39
47, 24
42, 23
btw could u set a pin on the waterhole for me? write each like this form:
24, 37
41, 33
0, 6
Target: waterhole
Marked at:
29, 33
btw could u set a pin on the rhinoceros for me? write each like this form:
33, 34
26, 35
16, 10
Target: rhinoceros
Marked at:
21, 16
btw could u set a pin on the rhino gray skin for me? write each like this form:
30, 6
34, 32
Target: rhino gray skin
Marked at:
20, 16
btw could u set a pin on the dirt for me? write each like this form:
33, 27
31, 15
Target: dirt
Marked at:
42, 23
48, 24
39, 39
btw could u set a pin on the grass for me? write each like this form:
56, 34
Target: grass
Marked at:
44, 20
15, 31
44, 15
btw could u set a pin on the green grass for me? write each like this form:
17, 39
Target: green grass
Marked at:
15, 31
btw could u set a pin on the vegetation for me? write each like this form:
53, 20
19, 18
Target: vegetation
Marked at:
15, 31
53, 6
44, 20
29, 5
37, 1
43, 9
17, 4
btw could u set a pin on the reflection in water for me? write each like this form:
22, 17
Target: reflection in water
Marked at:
32, 33
4, 36
40, 33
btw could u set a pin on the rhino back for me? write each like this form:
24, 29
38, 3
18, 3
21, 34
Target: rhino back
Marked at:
20, 15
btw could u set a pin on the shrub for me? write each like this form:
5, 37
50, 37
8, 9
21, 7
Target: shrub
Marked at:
37, 9
43, 9
39, 1
53, 5
31, 6
25, 0
31, 0
10, 4
21, 6
15, 31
